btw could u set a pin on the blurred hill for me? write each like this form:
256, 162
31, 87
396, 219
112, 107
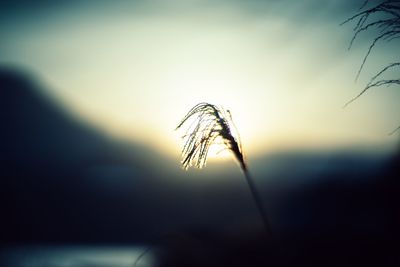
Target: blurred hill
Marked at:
61, 179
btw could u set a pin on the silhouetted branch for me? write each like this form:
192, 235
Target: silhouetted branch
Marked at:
395, 130
385, 17
383, 70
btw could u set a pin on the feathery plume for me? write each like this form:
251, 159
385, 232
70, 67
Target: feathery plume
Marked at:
210, 125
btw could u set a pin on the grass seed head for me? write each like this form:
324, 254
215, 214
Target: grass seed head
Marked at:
209, 124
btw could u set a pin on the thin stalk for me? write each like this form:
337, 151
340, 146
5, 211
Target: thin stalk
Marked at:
280, 258
210, 124
258, 201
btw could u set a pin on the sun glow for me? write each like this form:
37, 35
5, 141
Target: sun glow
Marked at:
219, 151
135, 75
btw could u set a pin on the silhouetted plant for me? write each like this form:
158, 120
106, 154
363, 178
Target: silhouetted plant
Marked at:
385, 18
212, 124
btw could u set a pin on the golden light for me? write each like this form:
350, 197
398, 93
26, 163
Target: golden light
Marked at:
135, 75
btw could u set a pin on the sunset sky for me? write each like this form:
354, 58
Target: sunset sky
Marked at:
134, 68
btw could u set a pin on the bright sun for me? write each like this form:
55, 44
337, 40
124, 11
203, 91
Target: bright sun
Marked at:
219, 152
225, 87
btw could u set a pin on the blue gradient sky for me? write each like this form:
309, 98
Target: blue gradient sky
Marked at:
133, 68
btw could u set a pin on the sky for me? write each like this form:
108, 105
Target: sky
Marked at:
134, 68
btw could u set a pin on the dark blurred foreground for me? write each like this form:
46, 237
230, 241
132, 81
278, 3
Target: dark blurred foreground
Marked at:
362, 230
62, 183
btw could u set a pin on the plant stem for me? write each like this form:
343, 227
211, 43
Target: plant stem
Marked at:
258, 201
